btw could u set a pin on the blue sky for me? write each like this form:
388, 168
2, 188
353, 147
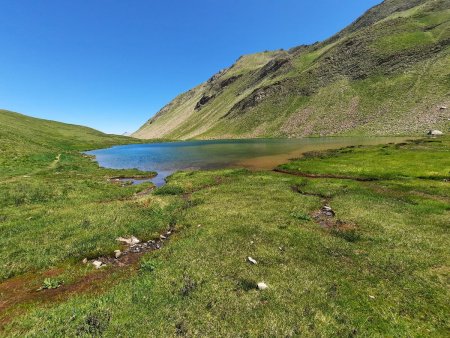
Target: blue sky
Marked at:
112, 64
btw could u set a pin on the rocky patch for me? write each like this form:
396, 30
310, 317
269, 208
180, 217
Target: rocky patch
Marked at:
203, 101
133, 250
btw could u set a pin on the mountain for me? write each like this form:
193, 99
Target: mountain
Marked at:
386, 73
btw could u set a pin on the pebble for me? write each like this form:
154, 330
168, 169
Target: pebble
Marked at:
85, 261
252, 260
162, 237
97, 264
117, 253
262, 286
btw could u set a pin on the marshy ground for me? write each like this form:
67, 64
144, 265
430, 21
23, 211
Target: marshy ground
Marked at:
377, 264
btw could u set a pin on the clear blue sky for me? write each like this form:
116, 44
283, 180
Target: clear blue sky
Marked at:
111, 64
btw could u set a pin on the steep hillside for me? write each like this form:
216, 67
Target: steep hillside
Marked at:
387, 73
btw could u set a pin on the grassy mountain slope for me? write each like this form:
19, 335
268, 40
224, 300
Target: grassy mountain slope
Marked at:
387, 73
56, 203
36, 142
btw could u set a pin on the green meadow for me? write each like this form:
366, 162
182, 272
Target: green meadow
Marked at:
377, 266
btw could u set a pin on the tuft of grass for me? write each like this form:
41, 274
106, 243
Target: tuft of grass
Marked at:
301, 216
169, 190
147, 265
51, 283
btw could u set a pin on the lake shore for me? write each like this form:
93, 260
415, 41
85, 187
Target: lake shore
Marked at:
321, 245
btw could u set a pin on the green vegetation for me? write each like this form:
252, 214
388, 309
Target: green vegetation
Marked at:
388, 73
378, 267
382, 162
56, 204
50, 283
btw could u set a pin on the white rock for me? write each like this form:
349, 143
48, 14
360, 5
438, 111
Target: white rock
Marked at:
97, 264
252, 260
162, 237
262, 286
85, 261
117, 253
134, 240
130, 241
435, 132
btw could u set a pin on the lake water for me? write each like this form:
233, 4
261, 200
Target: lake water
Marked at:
166, 158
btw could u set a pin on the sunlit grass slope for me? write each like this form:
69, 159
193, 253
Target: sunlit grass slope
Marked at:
386, 74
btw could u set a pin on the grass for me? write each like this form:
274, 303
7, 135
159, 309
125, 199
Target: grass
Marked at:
380, 268
56, 204
379, 78
428, 159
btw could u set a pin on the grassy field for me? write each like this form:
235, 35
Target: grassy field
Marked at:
378, 267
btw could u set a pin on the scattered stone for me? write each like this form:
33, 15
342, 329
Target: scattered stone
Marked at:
97, 264
371, 297
443, 107
251, 242
130, 241
328, 211
85, 261
251, 260
262, 286
162, 237
198, 226
435, 133
117, 253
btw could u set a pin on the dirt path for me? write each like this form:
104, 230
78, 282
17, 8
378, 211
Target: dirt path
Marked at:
52, 165
55, 162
